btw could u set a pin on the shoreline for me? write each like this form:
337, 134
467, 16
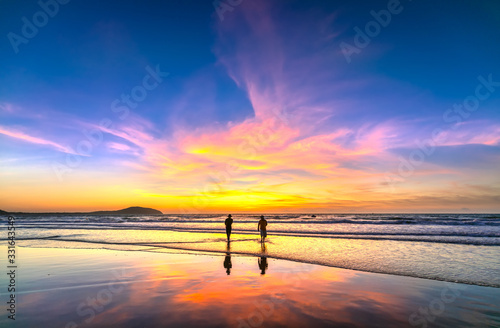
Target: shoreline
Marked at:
251, 248
154, 249
298, 293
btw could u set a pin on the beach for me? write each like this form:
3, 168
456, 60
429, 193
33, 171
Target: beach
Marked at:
60, 285
250, 163
452, 248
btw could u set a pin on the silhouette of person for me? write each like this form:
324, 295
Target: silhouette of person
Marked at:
262, 261
228, 224
227, 260
263, 264
262, 226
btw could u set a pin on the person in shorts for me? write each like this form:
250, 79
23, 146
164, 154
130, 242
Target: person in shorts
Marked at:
262, 227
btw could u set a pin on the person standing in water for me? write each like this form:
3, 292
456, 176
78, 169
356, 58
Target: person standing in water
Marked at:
228, 223
262, 227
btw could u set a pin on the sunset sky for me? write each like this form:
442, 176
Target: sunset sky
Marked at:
253, 106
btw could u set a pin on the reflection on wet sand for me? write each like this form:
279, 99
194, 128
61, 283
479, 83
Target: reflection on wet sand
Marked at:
227, 259
262, 261
173, 290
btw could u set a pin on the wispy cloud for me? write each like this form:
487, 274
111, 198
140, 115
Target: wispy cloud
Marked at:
35, 140
9, 108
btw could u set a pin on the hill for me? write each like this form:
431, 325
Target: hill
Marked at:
135, 210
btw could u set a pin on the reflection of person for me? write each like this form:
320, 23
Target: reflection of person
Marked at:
228, 224
262, 264
262, 226
227, 263
262, 261
227, 260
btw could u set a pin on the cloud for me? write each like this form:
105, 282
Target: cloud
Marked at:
468, 133
35, 140
311, 131
9, 108
118, 146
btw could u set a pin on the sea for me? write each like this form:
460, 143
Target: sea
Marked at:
462, 248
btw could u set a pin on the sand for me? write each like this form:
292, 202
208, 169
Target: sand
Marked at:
59, 287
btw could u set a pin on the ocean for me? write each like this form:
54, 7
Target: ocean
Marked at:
463, 248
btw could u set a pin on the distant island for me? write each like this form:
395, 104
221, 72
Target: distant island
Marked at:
134, 210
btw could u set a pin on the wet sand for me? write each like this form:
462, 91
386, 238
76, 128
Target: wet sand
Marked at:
101, 288
469, 264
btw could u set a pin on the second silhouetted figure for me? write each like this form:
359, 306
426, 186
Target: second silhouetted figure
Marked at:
262, 227
228, 223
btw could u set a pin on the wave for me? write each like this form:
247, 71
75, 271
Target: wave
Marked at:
477, 229
279, 228
324, 222
320, 219
450, 238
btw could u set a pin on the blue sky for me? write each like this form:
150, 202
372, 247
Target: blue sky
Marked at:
348, 125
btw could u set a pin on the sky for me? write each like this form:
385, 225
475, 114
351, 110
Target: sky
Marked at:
195, 106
